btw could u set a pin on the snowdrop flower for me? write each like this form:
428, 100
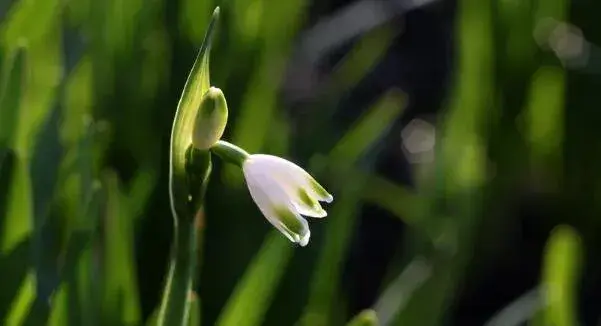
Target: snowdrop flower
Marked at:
282, 190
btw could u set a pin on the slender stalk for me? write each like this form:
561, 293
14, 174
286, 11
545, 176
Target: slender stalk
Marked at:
187, 209
174, 310
230, 152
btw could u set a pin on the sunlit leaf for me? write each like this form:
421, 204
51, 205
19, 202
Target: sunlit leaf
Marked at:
23, 301
365, 318
561, 273
544, 118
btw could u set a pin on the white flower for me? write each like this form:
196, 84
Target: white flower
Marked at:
283, 192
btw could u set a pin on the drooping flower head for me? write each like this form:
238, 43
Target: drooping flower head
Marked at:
283, 191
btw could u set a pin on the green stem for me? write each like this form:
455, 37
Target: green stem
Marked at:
189, 187
230, 152
174, 308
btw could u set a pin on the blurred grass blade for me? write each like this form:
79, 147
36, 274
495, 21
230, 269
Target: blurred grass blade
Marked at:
81, 295
519, 311
85, 266
251, 130
544, 121
19, 21
253, 294
17, 230
378, 190
460, 168
23, 301
44, 170
67, 308
59, 312
195, 314
120, 299
140, 190
153, 319
369, 129
361, 59
14, 266
75, 299
362, 137
545, 112
44, 174
365, 318
561, 273
392, 197
38, 313
325, 280
11, 92
395, 296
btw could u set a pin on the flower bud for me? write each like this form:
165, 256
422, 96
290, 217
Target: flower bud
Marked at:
211, 119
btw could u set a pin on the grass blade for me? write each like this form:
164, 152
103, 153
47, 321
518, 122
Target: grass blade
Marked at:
324, 284
119, 283
365, 318
14, 270
44, 168
252, 296
195, 314
369, 129
10, 97
562, 265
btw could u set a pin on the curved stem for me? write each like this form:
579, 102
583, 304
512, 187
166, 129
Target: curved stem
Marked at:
230, 152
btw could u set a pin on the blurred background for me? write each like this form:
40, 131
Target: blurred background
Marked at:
459, 138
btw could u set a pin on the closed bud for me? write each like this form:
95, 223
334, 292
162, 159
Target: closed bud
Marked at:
211, 119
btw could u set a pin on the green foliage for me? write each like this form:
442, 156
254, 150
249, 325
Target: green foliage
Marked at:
88, 91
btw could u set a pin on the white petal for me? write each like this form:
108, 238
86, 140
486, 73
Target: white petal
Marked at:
302, 188
269, 197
